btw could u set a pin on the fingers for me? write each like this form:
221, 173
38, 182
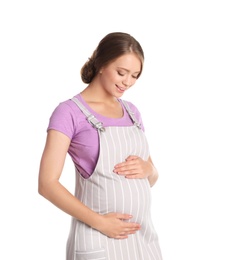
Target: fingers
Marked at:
128, 226
117, 226
123, 216
128, 229
130, 160
125, 234
134, 167
129, 167
131, 157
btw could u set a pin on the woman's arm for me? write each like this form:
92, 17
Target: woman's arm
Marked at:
153, 177
49, 186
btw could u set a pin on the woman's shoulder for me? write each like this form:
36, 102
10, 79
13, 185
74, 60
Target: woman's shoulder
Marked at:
66, 117
66, 108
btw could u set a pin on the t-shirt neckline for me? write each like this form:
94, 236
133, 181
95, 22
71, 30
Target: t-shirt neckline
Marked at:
99, 115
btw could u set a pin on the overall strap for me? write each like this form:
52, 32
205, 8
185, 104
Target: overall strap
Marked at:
131, 114
90, 117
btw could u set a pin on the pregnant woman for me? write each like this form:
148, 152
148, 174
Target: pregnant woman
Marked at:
104, 135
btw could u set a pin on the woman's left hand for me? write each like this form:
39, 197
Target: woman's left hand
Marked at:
135, 167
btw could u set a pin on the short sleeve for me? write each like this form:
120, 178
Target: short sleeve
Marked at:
63, 119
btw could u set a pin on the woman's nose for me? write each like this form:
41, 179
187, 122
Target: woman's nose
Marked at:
126, 82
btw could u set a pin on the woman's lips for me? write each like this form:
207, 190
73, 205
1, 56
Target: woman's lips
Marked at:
120, 89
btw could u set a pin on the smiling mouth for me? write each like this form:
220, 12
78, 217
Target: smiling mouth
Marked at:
121, 89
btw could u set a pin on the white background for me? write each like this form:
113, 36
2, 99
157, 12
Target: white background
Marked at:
181, 95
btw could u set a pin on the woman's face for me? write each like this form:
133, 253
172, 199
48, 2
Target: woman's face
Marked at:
120, 74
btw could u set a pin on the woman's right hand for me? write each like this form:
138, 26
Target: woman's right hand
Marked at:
116, 225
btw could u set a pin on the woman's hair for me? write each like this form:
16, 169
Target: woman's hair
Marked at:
112, 46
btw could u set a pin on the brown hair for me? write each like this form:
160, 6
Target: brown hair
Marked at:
112, 46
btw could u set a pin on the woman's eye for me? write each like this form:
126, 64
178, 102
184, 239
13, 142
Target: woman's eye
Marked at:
121, 74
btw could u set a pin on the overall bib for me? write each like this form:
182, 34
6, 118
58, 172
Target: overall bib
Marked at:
105, 191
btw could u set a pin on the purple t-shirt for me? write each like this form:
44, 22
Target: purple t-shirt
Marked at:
84, 147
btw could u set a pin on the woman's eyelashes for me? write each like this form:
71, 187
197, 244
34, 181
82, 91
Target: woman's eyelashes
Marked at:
123, 74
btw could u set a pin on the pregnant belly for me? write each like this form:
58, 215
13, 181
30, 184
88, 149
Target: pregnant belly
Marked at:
118, 194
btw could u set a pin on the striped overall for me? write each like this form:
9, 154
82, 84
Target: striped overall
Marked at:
105, 191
